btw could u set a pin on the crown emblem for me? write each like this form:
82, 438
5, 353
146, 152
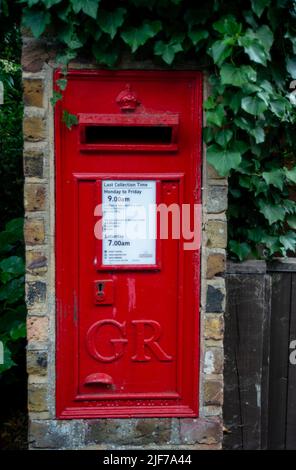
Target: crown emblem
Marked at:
127, 100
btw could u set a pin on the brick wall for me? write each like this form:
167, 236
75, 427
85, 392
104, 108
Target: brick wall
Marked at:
46, 431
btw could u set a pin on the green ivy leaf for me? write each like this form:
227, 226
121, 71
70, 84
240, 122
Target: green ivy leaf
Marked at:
223, 137
288, 241
208, 134
18, 331
272, 244
223, 160
258, 6
250, 19
250, 88
257, 45
69, 119
291, 66
235, 101
167, 51
279, 107
62, 83
291, 220
265, 36
267, 86
227, 25
241, 146
215, 83
56, 96
259, 134
245, 181
275, 178
220, 51
240, 249
216, 117
89, 7
237, 76
68, 36
12, 291
255, 51
11, 267
15, 229
290, 205
110, 21
36, 21
291, 175
261, 187
292, 38
256, 234
209, 103
197, 35
242, 123
253, 105
273, 213
136, 37
65, 56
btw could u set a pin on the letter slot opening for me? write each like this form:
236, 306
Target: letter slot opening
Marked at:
128, 134
118, 132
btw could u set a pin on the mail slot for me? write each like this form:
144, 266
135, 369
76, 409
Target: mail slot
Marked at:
128, 294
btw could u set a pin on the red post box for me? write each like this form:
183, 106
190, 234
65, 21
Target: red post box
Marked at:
127, 307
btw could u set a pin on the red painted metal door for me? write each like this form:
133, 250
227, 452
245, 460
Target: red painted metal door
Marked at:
127, 312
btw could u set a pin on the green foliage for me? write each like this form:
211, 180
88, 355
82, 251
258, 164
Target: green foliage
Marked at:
37, 20
248, 48
110, 21
136, 37
69, 119
11, 114
12, 307
89, 7
168, 50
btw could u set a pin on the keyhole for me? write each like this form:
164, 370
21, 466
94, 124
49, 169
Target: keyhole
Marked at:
100, 286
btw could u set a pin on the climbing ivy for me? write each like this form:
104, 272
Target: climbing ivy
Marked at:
248, 48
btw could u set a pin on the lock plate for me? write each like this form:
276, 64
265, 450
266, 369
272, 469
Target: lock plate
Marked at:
104, 292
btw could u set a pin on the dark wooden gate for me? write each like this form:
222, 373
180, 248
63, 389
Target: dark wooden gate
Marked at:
260, 381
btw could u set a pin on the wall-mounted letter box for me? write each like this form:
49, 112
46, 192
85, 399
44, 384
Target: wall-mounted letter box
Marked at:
127, 294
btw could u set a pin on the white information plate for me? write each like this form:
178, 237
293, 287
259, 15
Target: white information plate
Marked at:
129, 222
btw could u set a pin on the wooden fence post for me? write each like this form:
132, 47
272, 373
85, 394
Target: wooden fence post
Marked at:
282, 384
246, 345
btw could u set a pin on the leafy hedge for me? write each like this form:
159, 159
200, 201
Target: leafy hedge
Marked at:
12, 304
11, 113
248, 47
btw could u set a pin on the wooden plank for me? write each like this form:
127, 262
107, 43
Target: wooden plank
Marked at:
291, 395
246, 267
282, 265
244, 348
265, 363
278, 374
231, 408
